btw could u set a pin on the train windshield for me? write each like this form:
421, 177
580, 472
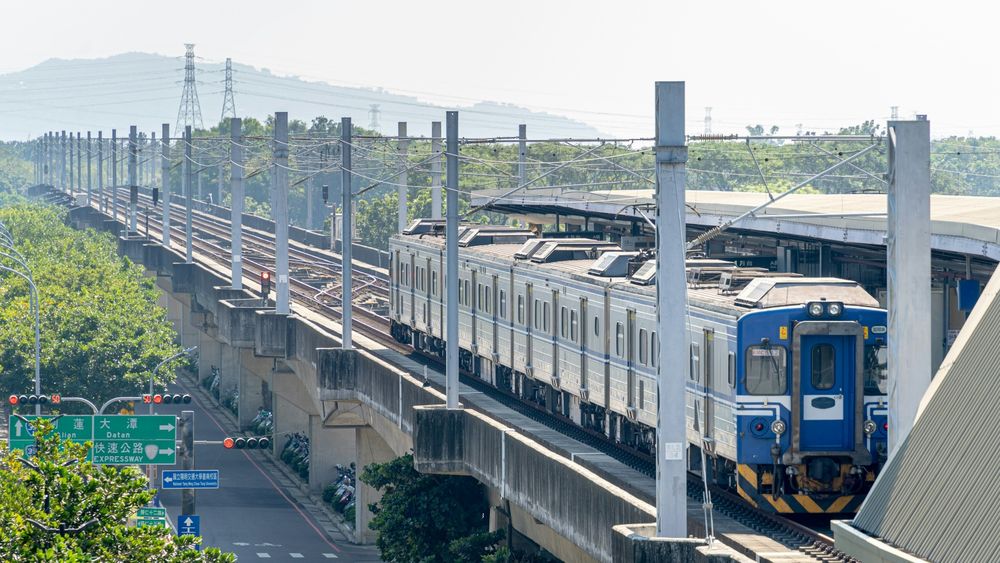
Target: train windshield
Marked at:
766, 369
876, 369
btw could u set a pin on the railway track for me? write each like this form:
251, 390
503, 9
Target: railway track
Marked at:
791, 534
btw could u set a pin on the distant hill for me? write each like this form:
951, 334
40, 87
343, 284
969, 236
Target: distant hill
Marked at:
145, 90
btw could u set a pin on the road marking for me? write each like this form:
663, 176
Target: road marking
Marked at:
264, 555
329, 555
296, 555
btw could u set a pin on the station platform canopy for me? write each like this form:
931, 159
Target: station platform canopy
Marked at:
968, 225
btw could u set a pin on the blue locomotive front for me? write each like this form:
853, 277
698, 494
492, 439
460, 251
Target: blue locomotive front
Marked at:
812, 411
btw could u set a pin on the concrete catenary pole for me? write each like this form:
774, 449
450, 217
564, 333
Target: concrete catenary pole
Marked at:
522, 154
671, 297
909, 273
188, 196
62, 162
114, 174
100, 172
436, 170
281, 212
151, 161
133, 179
79, 162
346, 240
403, 187
72, 179
451, 261
236, 189
90, 175
165, 180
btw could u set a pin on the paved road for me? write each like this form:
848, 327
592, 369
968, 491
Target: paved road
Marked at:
251, 514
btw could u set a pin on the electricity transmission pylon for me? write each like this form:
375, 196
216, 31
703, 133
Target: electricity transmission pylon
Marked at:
228, 103
373, 114
189, 112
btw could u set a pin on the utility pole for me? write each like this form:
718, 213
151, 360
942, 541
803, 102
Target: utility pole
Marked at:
71, 179
671, 300
236, 207
228, 103
165, 180
280, 151
345, 233
151, 160
436, 170
403, 188
373, 113
114, 174
451, 262
188, 251
185, 423
133, 186
708, 121
522, 154
90, 176
102, 204
909, 273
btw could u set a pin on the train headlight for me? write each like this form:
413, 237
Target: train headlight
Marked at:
815, 309
778, 427
834, 309
870, 427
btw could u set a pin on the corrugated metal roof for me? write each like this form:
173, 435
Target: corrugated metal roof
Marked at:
938, 497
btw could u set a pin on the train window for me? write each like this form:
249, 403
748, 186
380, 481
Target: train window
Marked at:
460, 293
824, 368
572, 326
434, 283
563, 322
489, 300
597, 326
619, 339
481, 301
707, 364
468, 295
520, 309
643, 347
732, 369
876, 369
766, 370
654, 349
537, 317
503, 304
695, 361
642, 394
545, 316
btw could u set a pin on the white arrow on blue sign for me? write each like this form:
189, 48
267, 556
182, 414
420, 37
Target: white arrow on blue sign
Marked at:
191, 479
188, 525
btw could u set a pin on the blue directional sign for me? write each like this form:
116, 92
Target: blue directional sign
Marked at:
191, 479
188, 525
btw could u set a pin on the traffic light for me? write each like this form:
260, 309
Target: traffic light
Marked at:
166, 399
265, 284
248, 443
33, 399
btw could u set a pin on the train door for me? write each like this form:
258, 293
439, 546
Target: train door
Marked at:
395, 269
708, 369
429, 304
582, 330
556, 331
630, 355
475, 301
494, 319
412, 279
827, 388
529, 325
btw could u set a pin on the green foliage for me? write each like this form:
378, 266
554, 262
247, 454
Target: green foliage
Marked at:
66, 490
428, 518
102, 332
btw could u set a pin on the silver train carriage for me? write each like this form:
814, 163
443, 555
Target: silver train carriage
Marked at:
786, 374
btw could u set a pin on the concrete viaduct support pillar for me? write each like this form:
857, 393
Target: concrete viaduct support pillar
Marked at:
328, 447
371, 449
254, 390
288, 419
209, 356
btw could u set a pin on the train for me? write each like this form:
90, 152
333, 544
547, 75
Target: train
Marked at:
786, 377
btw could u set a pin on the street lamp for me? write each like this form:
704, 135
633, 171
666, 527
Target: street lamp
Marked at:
38, 344
185, 352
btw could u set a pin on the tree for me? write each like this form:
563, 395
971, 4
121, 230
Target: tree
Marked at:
428, 518
102, 331
61, 488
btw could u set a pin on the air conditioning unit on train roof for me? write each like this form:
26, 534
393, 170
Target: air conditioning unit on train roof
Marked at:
493, 234
529, 248
559, 250
424, 226
784, 289
612, 265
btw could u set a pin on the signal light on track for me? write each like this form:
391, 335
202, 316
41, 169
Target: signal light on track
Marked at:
326, 193
156, 196
265, 284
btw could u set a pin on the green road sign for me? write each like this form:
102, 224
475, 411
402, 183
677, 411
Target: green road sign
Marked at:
143, 522
135, 440
147, 512
77, 428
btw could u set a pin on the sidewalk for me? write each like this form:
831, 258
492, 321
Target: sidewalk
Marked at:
331, 522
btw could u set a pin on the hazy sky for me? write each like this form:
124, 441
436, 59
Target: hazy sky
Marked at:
774, 62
